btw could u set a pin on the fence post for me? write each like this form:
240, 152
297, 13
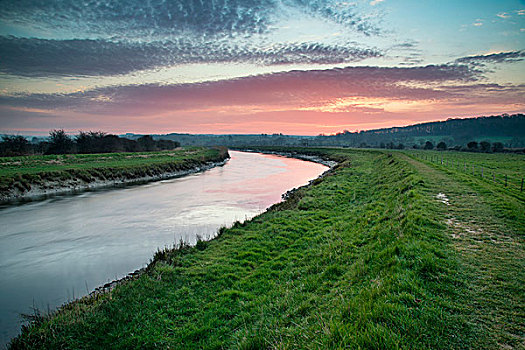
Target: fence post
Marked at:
473, 170
493, 177
521, 190
505, 180
482, 172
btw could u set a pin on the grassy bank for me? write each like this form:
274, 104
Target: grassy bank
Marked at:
20, 174
366, 257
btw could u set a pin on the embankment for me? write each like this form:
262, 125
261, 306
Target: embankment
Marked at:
26, 178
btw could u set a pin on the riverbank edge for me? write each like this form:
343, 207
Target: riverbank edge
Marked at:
109, 286
78, 185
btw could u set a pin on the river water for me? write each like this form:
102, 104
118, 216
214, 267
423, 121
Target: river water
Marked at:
62, 248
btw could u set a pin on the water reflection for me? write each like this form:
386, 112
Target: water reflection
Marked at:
59, 249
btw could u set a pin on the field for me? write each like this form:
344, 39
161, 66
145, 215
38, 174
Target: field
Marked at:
387, 251
495, 168
22, 172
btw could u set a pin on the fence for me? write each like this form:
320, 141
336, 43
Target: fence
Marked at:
483, 171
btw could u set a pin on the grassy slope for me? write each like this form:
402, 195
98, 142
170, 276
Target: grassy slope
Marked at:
24, 171
363, 259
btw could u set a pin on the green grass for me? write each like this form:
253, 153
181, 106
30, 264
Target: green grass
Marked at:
22, 172
495, 166
363, 258
487, 224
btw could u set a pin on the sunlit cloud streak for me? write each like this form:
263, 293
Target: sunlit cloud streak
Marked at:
291, 87
359, 96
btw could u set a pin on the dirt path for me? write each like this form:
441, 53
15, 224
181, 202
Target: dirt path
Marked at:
484, 227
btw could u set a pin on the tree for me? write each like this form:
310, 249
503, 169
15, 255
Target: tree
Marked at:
60, 142
111, 143
90, 142
428, 145
472, 146
167, 144
147, 143
497, 147
485, 146
15, 146
441, 146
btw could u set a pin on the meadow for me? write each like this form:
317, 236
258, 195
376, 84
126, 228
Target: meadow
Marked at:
22, 172
387, 251
507, 170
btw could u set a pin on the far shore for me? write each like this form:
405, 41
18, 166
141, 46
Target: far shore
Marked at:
27, 185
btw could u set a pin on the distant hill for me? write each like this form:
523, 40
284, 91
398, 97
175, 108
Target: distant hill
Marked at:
507, 129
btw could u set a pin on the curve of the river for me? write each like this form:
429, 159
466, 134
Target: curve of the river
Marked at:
61, 248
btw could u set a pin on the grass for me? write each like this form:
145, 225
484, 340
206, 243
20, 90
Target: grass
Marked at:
23, 172
496, 167
366, 257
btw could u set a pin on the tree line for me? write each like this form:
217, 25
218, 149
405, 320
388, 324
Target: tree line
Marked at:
59, 142
456, 133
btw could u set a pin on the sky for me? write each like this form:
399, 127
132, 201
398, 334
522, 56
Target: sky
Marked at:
302, 67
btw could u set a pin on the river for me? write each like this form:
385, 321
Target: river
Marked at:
59, 249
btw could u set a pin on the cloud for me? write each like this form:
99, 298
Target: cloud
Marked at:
478, 23
132, 18
104, 37
41, 58
501, 57
297, 101
503, 15
375, 2
408, 52
337, 12
160, 18
284, 89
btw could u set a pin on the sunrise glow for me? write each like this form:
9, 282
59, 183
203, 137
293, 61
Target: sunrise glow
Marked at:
280, 67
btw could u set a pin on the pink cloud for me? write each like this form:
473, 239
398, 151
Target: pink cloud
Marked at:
298, 102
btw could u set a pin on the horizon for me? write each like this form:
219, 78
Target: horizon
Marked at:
123, 134
300, 68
